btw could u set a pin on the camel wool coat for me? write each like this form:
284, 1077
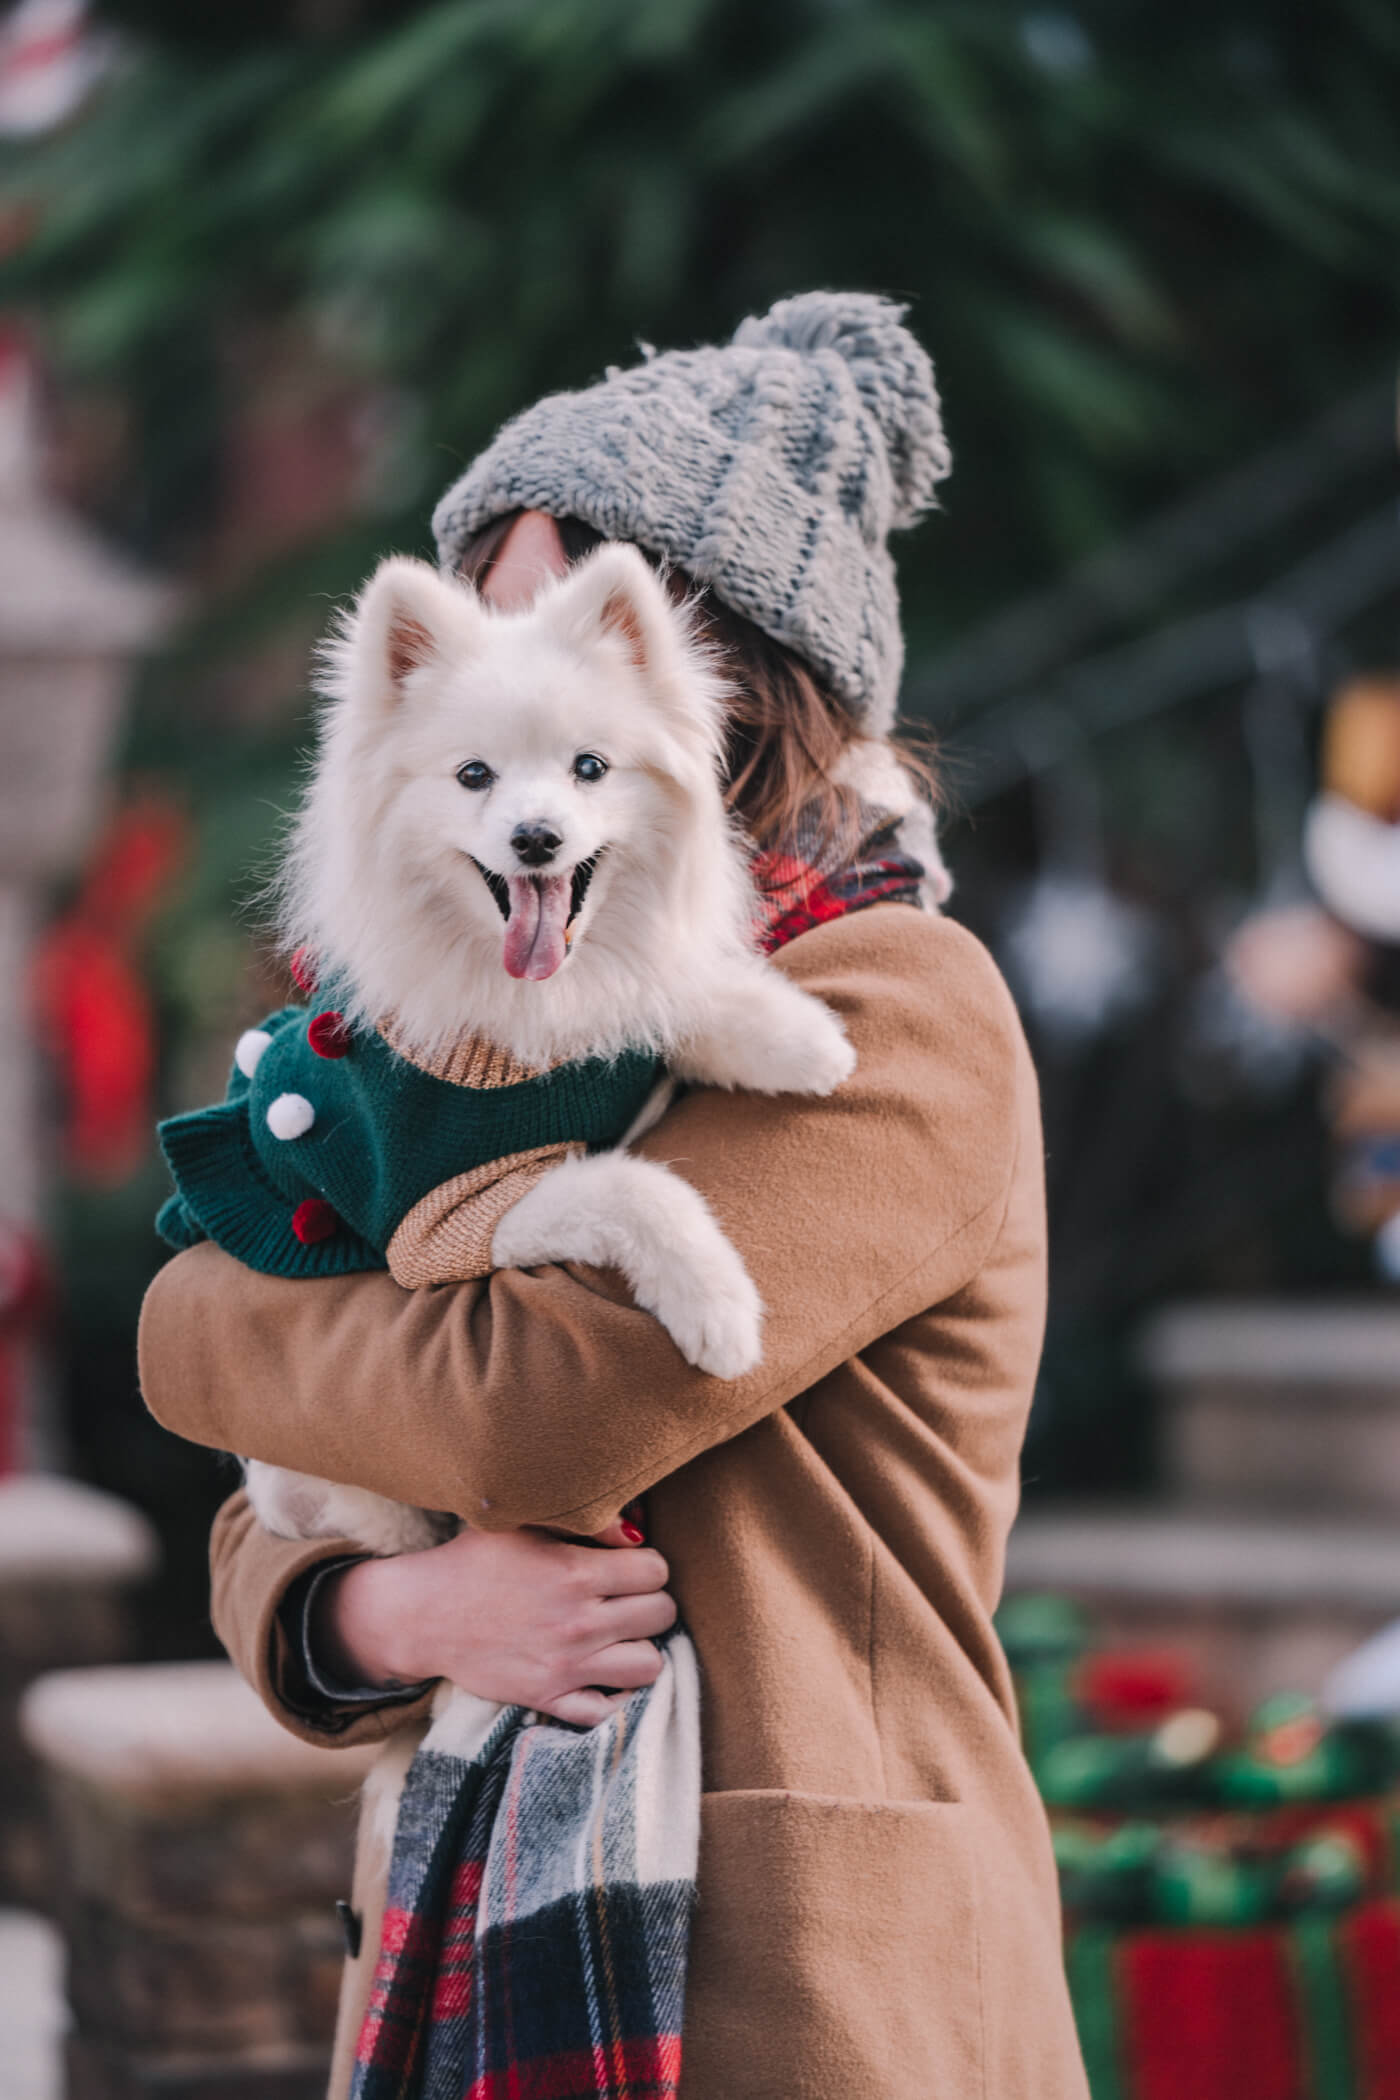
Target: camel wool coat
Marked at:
877, 1908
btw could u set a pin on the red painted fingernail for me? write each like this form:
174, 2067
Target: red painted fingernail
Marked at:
633, 1536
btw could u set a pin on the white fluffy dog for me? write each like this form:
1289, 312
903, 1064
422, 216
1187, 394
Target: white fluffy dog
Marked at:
515, 831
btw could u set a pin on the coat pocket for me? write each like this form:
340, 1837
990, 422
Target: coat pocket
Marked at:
836, 1950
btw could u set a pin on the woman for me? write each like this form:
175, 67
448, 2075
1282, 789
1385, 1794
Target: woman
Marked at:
877, 1909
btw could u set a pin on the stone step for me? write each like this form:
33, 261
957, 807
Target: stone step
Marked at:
163, 1736
1255, 1604
201, 1850
95, 2072
57, 1531
70, 1560
205, 1986
32, 2011
1280, 1406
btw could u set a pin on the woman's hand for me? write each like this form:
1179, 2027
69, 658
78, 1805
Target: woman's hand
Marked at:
515, 1616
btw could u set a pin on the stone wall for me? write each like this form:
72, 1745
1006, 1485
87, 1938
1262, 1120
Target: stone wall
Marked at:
200, 1854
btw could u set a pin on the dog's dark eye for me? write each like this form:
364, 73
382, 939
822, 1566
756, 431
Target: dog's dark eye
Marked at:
475, 774
588, 766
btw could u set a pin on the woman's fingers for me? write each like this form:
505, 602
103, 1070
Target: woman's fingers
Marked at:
632, 1571
625, 1571
508, 1615
630, 1618
626, 1664
584, 1709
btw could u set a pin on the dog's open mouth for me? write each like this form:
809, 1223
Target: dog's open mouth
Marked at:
539, 913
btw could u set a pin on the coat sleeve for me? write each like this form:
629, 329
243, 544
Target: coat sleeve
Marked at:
545, 1396
250, 1573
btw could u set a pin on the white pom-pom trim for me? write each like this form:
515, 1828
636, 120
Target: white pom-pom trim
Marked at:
290, 1116
248, 1050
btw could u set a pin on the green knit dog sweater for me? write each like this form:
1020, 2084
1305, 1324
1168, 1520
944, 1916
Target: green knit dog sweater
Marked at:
327, 1138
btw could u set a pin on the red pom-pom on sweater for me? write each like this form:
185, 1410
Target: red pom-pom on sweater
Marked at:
329, 1035
303, 969
314, 1220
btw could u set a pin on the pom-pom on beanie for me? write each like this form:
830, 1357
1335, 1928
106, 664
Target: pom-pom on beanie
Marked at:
772, 468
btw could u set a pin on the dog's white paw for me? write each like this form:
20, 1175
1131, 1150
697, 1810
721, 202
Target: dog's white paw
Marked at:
717, 1325
766, 1034
633, 1215
696, 1284
814, 1062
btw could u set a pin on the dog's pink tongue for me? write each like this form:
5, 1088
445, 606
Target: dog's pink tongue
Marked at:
539, 912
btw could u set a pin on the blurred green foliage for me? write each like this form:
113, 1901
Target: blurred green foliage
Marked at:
1137, 237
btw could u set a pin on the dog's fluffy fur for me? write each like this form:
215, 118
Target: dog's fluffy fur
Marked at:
392, 883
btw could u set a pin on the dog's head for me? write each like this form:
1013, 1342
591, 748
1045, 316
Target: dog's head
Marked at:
498, 776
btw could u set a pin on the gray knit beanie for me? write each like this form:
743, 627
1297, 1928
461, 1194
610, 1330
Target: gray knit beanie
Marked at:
772, 468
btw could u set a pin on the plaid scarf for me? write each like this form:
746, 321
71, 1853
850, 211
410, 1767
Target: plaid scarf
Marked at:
538, 1915
808, 884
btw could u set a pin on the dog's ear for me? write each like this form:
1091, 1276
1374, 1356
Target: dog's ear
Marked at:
408, 617
616, 591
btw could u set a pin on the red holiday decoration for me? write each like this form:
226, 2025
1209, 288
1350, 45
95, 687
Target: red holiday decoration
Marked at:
303, 970
1214, 2015
329, 1035
1374, 1946
1132, 1688
94, 1010
133, 865
314, 1220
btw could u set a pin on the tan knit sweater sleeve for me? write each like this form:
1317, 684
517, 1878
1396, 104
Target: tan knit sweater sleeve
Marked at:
546, 1397
448, 1234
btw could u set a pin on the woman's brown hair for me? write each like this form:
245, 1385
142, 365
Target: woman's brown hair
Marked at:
787, 732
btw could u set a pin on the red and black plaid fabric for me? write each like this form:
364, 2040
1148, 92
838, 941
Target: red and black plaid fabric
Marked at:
538, 1914
798, 891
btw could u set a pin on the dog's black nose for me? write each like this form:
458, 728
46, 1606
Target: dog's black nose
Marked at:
535, 843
